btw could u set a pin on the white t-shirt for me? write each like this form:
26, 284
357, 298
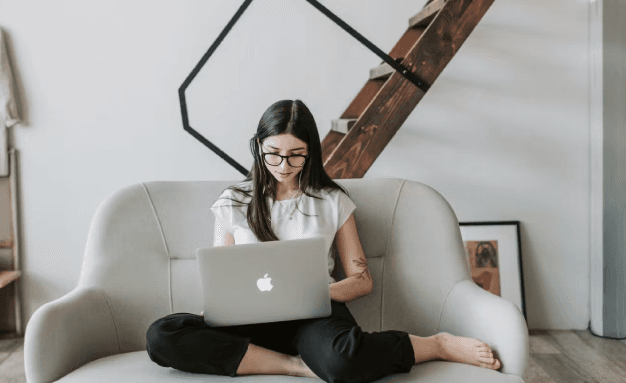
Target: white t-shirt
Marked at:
332, 210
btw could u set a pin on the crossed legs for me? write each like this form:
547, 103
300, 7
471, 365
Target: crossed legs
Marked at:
333, 349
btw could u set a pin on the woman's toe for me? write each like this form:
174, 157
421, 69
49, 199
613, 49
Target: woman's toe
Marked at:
487, 360
496, 365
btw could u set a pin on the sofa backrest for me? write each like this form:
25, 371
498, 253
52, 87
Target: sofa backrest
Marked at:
142, 245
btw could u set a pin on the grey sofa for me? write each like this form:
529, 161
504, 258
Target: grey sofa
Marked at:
139, 265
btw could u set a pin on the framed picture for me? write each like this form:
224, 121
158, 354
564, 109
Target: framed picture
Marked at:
494, 253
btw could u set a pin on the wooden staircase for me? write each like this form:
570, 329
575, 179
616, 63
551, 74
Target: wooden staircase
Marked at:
433, 37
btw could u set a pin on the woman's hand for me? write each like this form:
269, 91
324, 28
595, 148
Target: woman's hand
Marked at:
350, 288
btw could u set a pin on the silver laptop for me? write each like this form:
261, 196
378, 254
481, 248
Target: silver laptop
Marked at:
265, 281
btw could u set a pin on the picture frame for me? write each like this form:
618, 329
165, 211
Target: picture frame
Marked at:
494, 254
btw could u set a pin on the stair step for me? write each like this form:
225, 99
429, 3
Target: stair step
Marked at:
426, 15
384, 70
342, 125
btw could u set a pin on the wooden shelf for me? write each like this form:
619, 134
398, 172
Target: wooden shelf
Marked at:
8, 276
11, 267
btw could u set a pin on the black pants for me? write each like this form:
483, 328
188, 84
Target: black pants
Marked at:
335, 348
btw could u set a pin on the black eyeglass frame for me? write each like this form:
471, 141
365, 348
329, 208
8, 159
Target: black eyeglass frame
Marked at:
282, 158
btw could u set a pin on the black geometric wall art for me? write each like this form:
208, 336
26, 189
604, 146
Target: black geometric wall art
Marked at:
181, 91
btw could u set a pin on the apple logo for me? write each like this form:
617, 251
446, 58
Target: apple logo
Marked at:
264, 284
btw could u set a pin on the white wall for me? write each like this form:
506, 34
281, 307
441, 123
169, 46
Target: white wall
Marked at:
503, 134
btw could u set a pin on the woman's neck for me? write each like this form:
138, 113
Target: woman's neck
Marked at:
286, 192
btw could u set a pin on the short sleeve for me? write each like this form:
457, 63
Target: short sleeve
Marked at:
345, 208
223, 212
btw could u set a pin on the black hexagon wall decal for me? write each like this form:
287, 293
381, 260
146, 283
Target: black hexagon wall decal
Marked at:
181, 91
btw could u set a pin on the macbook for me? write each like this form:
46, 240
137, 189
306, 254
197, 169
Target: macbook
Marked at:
265, 281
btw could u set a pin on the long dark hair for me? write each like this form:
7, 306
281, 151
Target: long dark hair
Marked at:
282, 117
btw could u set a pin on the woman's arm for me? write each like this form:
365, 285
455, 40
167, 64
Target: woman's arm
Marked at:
221, 237
358, 281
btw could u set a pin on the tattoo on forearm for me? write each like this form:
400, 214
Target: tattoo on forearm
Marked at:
362, 263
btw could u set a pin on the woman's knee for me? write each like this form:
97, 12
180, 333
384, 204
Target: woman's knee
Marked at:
340, 358
160, 336
157, 343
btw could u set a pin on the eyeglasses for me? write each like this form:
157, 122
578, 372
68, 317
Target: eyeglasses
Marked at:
294, 160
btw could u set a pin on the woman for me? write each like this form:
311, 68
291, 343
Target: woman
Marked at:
289, 195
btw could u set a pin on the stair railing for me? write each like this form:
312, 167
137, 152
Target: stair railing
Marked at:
412, 77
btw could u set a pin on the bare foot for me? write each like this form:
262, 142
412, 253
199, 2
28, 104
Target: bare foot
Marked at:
467, 350
303, 369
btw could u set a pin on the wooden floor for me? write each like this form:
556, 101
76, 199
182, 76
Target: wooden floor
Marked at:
11, 358
556, 356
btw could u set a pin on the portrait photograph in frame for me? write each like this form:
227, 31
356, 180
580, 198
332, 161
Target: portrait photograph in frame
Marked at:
494, 253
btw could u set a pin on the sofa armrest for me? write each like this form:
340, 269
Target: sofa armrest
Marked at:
470, 311
67, 333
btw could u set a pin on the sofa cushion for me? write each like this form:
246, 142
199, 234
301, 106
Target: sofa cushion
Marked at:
137, 367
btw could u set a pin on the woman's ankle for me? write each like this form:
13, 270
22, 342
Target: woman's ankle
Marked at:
298, 367
426, 348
